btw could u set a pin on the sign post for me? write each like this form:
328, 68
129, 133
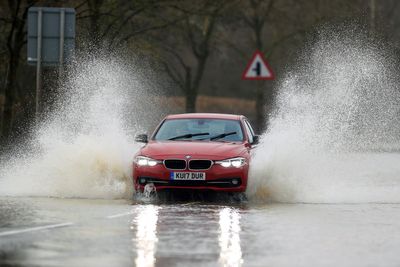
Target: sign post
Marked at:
61, 47
258, 69
38, 61
51, 41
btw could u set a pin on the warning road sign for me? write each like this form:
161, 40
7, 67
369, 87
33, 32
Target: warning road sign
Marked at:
258, 68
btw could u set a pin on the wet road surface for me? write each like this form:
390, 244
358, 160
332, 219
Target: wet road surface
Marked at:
81, 232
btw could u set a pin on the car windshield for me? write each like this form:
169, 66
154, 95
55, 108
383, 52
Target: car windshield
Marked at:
200, 129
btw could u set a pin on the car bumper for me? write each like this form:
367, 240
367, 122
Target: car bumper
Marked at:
218, 178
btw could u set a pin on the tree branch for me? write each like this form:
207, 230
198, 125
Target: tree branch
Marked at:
174, 75
152, 28
123, 23
81, 4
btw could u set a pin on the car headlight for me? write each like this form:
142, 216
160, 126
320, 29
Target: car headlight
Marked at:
234, 162
145, 161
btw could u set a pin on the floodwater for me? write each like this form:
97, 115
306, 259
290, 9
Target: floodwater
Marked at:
332, 138
81, 232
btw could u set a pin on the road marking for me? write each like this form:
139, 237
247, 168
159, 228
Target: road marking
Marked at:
33, 229
120, 215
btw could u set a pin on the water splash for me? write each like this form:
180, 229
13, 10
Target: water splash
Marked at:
335, 132
84, 148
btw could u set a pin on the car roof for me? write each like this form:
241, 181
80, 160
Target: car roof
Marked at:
204, 116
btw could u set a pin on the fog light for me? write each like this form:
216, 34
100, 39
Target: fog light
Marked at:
235, 181
142, 180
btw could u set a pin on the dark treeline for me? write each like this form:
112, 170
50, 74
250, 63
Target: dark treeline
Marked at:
202, 46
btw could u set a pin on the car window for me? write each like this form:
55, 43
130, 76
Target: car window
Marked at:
249, 131
205, 128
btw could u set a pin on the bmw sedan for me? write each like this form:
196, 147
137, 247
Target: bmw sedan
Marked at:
199, 151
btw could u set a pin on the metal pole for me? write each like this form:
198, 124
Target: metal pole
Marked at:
61, 48
260, 106
38, 63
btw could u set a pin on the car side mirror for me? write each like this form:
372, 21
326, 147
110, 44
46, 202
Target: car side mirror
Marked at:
256, 140
141, 138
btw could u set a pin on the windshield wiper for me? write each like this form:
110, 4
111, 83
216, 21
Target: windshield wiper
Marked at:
221, 136
188, 136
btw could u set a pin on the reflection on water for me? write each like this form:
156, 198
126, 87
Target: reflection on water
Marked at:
146, 235
229, 238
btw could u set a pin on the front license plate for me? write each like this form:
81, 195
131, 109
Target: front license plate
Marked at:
190, 176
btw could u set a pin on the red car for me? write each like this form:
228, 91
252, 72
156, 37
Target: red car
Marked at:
200, 151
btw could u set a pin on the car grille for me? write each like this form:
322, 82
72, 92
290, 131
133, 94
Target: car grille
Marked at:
200, 164
175, 164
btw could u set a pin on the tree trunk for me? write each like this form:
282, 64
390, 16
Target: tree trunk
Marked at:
190, 96
191, 102
2, 103
10, 96
1, 114
15, 42
95, 8
372, 7
192, 91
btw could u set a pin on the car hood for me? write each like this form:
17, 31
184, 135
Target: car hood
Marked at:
200, 149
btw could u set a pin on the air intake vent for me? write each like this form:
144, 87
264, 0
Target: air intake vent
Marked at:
175, 164
200, 164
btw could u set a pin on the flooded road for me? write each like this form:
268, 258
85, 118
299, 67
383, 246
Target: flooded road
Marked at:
80, 232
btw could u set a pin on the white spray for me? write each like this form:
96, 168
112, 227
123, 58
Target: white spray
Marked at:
83, 149
335, 132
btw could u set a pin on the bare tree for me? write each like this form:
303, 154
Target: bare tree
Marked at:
112, 23
271, 23
186, 59
16, 39
14, 16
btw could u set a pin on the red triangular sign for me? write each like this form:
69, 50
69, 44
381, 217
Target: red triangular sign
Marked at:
258, 68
